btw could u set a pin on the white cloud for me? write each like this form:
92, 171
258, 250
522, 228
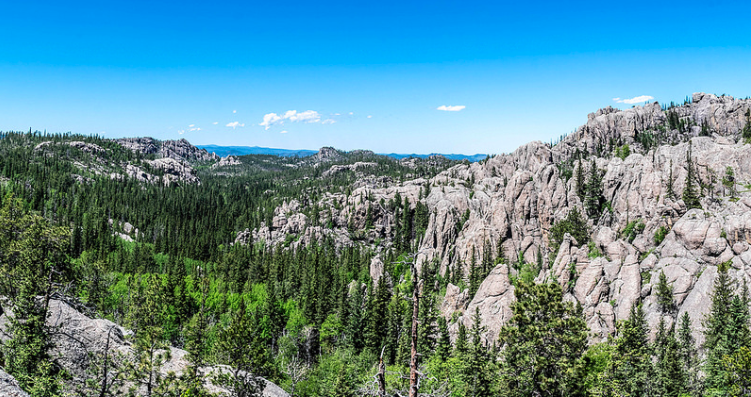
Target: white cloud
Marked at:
451, 108
192, 125
283, 132
181, 132
195, 129
308, 116
351, 113
370, 117
215, 123
235, 124
634, 100
234, 111
270, 119
103, 133
328, 121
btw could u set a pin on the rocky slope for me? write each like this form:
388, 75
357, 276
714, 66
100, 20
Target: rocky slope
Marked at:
79, 339
515, 199
180, 150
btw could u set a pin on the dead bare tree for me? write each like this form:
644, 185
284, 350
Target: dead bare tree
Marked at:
381, 375
297, 370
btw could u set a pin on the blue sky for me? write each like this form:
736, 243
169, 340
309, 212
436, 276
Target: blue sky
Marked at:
357, 75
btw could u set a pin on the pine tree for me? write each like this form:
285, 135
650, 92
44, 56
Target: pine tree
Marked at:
406, 226
149, 348
746, 134
687, 351
671, 379
355, 320
241, 348
632, 367
443, 348
475, 274
665, 299
33, 259
690, 196
542, 342
344, 384
579, 182
105, 371
476, 365
428, 311
719, 331
460, 345
196, 343
377, 317
738, 368
740, 318
593, 197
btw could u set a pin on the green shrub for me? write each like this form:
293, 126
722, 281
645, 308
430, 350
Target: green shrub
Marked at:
633, 229
623, 152
646, 277
594, 252
574, 224
660, 234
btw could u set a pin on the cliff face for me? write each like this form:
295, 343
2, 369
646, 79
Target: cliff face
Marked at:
636, 188
515, 199
180, 150
522, 211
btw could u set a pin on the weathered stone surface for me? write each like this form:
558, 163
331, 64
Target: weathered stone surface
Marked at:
180, 150
80, 335
83, 146
228, 161
336, 169
9, 386
455, 300
510, 202
493, 300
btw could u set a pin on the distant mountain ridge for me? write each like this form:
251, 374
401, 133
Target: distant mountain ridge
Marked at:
224, 151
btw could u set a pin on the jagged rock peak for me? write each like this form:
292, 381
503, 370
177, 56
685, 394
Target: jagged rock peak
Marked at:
603, 111
180, 150
327, 153
705, 114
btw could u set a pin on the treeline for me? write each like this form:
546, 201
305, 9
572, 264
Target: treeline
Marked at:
313, 321
192, 221
315, 318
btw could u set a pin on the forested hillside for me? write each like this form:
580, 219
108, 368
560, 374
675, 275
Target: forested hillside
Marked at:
612, 262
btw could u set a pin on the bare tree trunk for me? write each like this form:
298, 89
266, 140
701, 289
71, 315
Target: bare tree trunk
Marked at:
104, 390
413, 359
381, 376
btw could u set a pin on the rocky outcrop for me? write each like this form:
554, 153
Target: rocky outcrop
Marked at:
327, 154
9, 386
174, 171
180, 150
228, 161
507, 204
83, 146
493, 301
336, 169
78, 337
